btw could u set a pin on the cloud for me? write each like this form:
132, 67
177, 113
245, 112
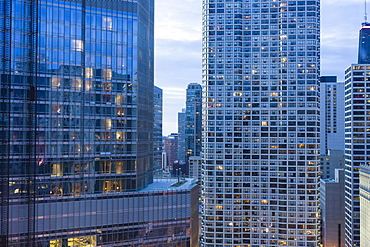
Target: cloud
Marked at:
178, 20
178, 46
178, 33
177, 63
340, 23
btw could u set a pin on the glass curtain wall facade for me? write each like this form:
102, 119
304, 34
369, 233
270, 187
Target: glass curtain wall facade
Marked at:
364, 44
76, 116
181, 131
193, 121
157, 135
261, 123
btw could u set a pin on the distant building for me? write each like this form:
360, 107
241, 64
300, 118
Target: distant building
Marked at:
171, 148
165, 166
195, 167
157, 134
181, 130
332, 206
365, 205
180, 169
331, 114
193, 121
334, 159
364, 44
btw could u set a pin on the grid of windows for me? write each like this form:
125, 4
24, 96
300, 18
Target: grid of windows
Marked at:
331, 114
357, 130
365, 204
260, 120
74, 84
193, 121
157, 135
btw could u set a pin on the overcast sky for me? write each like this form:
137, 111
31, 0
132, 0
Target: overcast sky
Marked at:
178, 47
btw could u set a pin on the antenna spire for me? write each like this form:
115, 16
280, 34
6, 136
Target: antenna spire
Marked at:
365, 16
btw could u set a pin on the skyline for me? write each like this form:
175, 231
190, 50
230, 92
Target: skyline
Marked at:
179, 32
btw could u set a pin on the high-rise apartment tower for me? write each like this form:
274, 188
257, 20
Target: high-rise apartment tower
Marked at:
260, 120
193, 121
356, 154
331, 114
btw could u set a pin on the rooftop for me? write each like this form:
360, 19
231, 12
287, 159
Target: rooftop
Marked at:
166, 184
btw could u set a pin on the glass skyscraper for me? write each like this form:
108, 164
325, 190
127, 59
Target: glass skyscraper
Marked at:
76, 117
364, 44
157, 135
181, 131
193, 121
261, 123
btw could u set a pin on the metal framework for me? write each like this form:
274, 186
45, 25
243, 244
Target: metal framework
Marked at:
5, 118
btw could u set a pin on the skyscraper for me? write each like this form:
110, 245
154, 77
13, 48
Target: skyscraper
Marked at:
157, 134
356, 137
171, 148
356, 122
193, 121
331, 114
76, 119
364, 44
331, 161
181, 131
365, 205
260, 120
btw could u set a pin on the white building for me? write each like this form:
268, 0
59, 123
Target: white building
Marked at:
260, 120
365, 205
357, 130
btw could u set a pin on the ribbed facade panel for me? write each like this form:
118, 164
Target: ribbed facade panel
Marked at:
260, 123
356, 136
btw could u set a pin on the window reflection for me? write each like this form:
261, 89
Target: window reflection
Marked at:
56, 189
56, 170
55, 82
88, 85
77, 45
76, 83
107, 23
120, 136
120, 99
86, 241
113, 185
76, 130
